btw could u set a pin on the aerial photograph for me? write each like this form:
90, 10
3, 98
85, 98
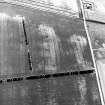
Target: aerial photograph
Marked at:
52, 52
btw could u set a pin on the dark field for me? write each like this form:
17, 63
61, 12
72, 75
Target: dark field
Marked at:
68, 90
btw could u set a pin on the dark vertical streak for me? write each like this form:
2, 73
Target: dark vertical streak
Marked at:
27, 43
25, 34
